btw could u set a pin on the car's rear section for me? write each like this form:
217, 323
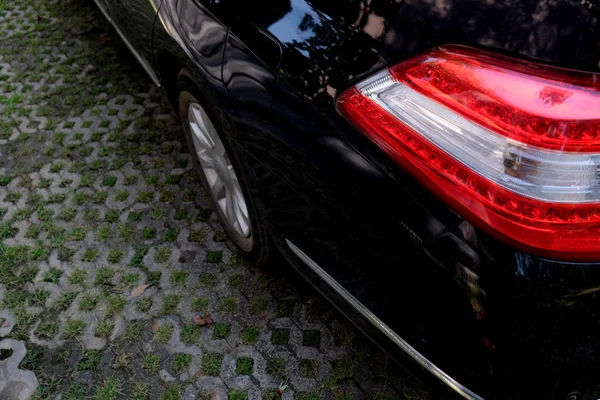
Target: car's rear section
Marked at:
464, 138
431, 166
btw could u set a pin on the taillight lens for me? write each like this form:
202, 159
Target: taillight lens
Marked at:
512, 146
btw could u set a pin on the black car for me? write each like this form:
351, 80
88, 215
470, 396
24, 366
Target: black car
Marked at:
431, 167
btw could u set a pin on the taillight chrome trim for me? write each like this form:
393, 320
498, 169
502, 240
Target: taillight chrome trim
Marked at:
488, 153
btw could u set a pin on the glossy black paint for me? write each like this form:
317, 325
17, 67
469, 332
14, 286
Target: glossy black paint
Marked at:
502, 323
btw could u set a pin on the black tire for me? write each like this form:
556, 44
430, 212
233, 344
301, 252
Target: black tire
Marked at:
255, 248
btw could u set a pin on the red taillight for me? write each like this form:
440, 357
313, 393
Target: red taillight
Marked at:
513, 147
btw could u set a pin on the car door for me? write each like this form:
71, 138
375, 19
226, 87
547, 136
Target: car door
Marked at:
134, 21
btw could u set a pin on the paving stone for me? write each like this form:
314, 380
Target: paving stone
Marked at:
15, 383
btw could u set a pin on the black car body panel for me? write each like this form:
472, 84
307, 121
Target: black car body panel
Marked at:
502, 323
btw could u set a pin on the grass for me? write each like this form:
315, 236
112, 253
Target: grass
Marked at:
104, 329
5, 179
22, 215
104, 276
235, 281
199, 304
140, 391
46, 388
147, 233
114, 256
110, 390
191, 334
111, 216
64, 301
138, 256
92, 215
145, 197
244, 366
100, 197
130, 280
162, 254
109, 181
214, 256
180, 215
90, 255
342, 370
220, 236
207, 280
126, 231
221, 330
194, 236
88, 302
80, 198
172, 392
78, 277
103, 233
170, 303
280, 336
271, 394
308, 367
171, 234
258, 305
76, 391
123, 360
153, 277
167, 196
250, 335
65, 253
143, 305
12, 197
115, 305
227, 305
47, 329
52, 275
67, 214
89, 360
237, 395
311, 338
122, 195
7, 231
181, 361
56, 198
130, 180
211, 363
163, 333
33, 358
285, 308
78, 234
64, 355
158, 213
133, 331
179, 278
74, 328
136, 216
151, 362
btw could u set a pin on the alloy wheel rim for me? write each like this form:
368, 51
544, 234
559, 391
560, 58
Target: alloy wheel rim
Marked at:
223, 183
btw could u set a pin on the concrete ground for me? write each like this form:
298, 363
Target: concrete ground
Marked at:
109, 252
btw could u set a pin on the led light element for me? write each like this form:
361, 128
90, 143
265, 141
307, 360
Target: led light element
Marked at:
513, 147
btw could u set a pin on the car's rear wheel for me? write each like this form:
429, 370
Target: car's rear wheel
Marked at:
219, 169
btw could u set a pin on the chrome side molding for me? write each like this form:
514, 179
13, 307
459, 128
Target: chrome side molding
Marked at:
382, 327
145, 65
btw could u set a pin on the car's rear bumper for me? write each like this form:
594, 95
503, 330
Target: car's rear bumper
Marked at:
524, 328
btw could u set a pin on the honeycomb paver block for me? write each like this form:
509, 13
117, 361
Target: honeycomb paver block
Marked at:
15, 383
